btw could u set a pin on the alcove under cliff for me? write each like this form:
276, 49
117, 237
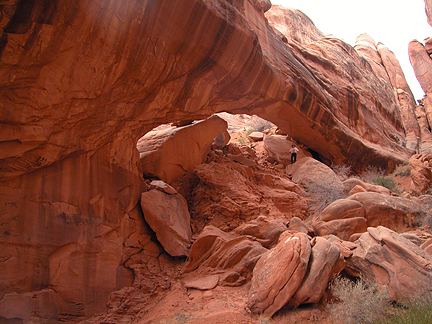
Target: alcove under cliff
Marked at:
82, 81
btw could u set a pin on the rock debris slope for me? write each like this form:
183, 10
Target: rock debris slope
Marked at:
82, 81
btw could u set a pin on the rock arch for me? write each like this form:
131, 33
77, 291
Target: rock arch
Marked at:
82, 81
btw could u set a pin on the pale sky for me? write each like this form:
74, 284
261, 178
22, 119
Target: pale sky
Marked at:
392, 22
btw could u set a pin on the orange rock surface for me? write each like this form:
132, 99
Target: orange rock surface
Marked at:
82, 81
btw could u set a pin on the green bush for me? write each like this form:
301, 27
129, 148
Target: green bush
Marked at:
417, 312
384, 181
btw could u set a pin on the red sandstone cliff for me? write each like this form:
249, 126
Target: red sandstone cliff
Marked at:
81, 81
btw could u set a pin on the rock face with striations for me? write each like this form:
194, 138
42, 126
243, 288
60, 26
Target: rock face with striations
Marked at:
174, 151
390, 260
169, 218
421, 61
81, 82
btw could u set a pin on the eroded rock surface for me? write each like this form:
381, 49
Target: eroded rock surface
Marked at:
170, 153
279, 273
421, 173
215, 251
83, 81
421, 62
267, 231
316, 177
169, 218
230, 193
390, 260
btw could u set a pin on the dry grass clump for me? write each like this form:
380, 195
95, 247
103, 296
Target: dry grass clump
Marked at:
358, 302
323, 196
402, 170
342, 171
264, 320
372, 173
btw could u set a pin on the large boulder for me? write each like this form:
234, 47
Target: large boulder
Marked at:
397, 213
342, 218
317, 178
342, 228
170, 153
267, 231
279, 273
387, 258
169, 218
232, 257
278, 148
324, 264
342, 209
351, 183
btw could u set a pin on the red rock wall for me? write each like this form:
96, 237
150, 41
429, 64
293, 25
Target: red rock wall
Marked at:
81, 81
421, 61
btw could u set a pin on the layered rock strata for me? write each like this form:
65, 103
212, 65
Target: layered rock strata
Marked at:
419, 55
174, 151
82, 81
388, 259
422, 64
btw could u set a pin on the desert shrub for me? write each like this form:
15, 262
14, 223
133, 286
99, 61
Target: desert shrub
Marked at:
418, 311
242, 140
342, 171
260, 124
402, 170
264, 320
323, 196
384, 181
358, 302
372, 173
249, 131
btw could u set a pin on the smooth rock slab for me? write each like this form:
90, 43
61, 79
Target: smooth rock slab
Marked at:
342, 228
397, 213
169, 218
278, 148
203, 283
